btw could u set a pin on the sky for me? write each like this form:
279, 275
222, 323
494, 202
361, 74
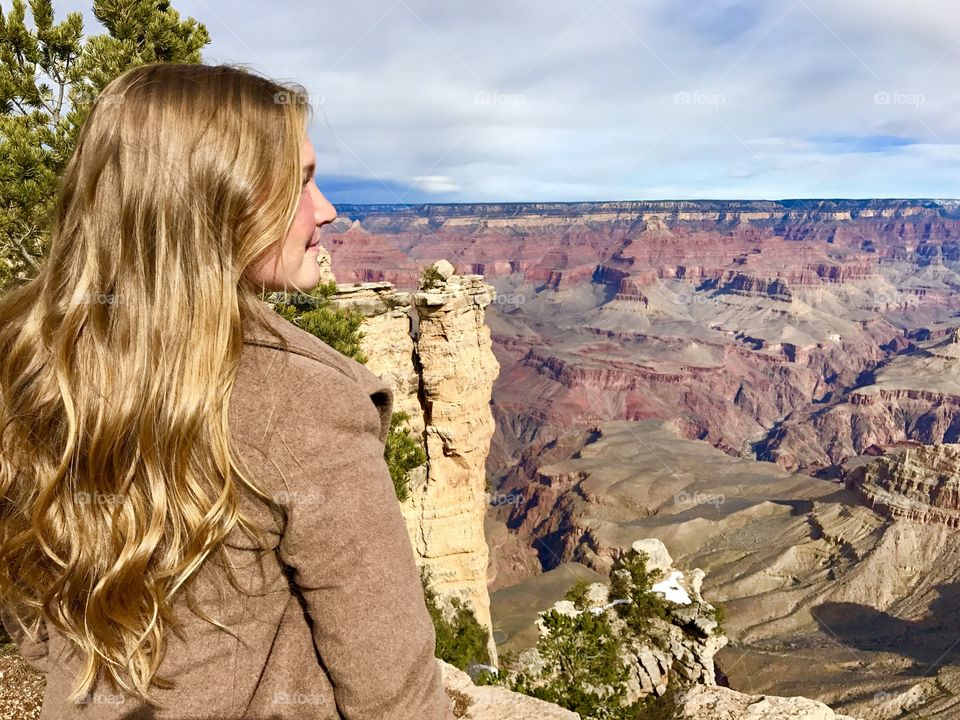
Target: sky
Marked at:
534, 101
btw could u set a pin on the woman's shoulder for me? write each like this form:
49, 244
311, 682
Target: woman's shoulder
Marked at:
308, 362
299, 342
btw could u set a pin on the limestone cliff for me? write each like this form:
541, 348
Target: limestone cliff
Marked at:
434, 349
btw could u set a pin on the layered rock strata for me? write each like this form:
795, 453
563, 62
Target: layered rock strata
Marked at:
920, 483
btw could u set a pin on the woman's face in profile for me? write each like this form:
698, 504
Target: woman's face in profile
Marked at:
299, 267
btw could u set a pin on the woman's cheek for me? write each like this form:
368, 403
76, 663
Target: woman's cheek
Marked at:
307, 212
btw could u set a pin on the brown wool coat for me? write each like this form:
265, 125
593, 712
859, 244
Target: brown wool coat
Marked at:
350, 636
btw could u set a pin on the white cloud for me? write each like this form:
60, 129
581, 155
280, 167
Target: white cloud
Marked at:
578, 100
435, 183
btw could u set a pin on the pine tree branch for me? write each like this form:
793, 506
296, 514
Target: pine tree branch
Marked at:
18, 243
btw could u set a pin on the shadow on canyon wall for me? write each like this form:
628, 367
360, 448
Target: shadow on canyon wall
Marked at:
931, 642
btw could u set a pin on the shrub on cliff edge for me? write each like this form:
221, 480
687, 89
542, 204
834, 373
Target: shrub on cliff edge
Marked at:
462, 641
631, 579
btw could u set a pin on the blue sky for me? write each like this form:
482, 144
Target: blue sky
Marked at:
424, 101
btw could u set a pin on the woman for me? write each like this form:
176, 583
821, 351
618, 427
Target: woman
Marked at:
196, 520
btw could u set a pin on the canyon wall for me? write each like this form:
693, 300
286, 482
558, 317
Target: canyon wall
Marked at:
755, 325
913, 397
556, 244
433, 348
915, 483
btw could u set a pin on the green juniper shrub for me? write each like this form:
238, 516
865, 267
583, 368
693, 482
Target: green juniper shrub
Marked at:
462, 641
578, 594
403, 453
585, 672
430, 278
630, 579
313, 312
720, 615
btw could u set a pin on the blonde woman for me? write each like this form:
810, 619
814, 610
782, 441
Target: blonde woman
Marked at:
196, 520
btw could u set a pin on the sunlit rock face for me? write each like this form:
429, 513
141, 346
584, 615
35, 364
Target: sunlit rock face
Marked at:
434, 350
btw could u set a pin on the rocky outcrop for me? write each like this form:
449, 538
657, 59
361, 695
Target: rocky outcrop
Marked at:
326, 265
737, 283
921, 483
387, 341
457, 370
677, 649
719, 703
434, 349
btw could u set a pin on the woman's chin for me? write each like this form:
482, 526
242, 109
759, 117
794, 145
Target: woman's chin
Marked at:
309, 275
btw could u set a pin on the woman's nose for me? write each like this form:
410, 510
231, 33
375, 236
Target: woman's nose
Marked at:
325, 211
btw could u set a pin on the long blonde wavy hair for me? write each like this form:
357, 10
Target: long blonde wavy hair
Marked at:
120, 355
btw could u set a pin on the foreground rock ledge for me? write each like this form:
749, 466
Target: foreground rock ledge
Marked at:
492, 702
701, 702
719, 703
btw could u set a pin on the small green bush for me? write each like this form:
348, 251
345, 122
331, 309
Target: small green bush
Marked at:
430, 277
403, 453
578, 594
337, 327
720, 615
635, 583
461, 642
585, 671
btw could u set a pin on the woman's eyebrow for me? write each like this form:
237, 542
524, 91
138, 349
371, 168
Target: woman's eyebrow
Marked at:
309, 169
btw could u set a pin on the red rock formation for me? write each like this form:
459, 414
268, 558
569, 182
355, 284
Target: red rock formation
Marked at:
692, 290
812, 241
